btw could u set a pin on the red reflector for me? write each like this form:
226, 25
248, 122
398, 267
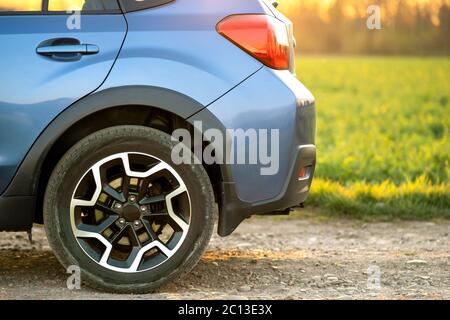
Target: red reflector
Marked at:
264, 37
302, 173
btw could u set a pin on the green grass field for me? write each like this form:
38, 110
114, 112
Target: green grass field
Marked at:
383, 135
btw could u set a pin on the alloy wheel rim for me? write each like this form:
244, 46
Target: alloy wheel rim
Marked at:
130, 212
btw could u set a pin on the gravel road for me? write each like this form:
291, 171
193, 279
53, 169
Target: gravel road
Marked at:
270, 258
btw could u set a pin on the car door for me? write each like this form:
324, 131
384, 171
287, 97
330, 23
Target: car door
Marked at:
50, 57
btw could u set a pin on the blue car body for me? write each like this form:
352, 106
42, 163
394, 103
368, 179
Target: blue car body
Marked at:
169, 59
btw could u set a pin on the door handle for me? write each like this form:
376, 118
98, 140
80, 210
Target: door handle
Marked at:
83, 49
66, 49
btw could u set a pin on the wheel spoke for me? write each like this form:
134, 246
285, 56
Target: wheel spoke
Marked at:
134, 258
156, 168
126, 186
153, 199
149, 230
143, 187
156, 215
113, 193
98, 189
118, 235
101, 227
154, 244
105, 256
105, 209
82, 203
166, 251
178, 220
134, 239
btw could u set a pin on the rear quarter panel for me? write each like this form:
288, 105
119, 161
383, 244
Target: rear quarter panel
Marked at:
177, 47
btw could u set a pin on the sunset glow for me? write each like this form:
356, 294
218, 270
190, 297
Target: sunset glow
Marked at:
353, 7
36, 5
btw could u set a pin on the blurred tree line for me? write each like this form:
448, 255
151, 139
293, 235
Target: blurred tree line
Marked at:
340, 26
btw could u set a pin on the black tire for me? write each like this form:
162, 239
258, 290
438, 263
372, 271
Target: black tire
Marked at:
71, 169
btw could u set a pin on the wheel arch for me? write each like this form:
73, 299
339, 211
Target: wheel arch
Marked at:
153, 107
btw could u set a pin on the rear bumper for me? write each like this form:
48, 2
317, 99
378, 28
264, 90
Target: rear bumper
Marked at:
234, 211
267, 100
297, 189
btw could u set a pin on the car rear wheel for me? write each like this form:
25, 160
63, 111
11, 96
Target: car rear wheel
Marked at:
116, 207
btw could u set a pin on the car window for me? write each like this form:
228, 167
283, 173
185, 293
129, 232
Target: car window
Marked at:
133, 5
82, 5
58, 5
21, 6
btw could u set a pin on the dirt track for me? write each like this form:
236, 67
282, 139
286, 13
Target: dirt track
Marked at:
269, 258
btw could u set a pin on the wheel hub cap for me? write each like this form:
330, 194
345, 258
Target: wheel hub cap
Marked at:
131, 212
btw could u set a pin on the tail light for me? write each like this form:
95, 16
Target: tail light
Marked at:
264, 37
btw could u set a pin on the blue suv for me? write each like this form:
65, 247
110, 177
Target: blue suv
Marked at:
91, 94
